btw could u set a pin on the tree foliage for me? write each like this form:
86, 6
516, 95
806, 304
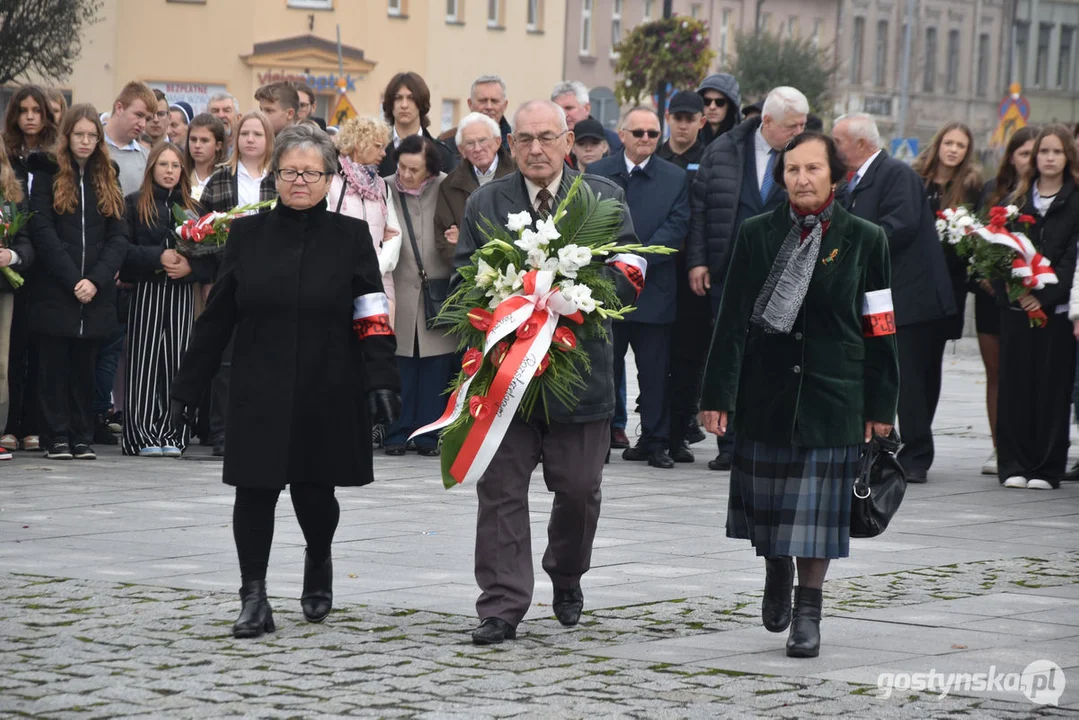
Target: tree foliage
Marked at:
673, 50
765, 61
42, 36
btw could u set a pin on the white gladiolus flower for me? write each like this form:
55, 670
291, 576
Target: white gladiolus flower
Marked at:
572, 258
580, 296
485, 274
530, 240
516, 222
547, 230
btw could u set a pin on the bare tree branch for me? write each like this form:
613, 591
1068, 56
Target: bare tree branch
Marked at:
42, 36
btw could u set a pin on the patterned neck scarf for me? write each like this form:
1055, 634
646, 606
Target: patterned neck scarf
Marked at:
781, 298
363, 180
418, 191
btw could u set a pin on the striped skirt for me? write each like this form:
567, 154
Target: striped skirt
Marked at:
158, 331
792, 501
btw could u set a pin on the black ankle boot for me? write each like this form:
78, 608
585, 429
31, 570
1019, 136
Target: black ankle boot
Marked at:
256, 617
778, 586
317, 597
804, 640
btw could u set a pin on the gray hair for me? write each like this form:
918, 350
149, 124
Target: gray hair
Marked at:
637, 109
784, 101
474, 118
861, 126
573, 86
550, 105
487, 80
223, 96
304, 137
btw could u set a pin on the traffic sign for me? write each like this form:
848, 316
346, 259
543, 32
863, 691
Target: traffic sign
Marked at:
343, 111
905, 149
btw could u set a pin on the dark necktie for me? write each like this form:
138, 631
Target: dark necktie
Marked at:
635, 171
543, 198
768, 182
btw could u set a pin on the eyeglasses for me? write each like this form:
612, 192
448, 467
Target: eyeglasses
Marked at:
472, 144
309, 176
653, 134
525, 141
717, 101
161, 115
87, 136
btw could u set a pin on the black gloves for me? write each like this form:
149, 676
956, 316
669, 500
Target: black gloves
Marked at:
182, 418
384, 407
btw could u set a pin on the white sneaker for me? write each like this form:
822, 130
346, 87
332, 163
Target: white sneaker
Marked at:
1036, 484
9, 442
989, 467
1016, 481
171, 451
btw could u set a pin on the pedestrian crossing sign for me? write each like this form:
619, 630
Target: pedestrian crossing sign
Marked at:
343, 111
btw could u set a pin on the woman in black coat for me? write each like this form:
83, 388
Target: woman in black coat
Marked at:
79, 236
314, 363
162, 304
1037, 364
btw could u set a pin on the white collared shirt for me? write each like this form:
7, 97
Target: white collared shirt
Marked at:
533, 191
397, 138
630, 165
863, 170
762, 149
247, 186
486, 177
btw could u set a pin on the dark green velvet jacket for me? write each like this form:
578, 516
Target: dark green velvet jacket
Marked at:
819, 384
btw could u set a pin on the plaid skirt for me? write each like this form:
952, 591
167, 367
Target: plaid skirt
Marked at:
791, 500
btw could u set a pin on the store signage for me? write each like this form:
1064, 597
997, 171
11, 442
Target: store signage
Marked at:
195, 93
320, 83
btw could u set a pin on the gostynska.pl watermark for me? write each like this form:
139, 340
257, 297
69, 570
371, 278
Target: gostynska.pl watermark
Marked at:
1042, 682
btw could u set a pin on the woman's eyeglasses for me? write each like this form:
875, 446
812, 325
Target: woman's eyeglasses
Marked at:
653, 134
717, 101
86, 136
309, 176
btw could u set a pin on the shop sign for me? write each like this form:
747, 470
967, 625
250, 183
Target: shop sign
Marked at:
320, 83
195, 93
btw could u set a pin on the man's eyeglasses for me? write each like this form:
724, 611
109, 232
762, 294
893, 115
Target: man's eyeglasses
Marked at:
161, 115
472, 144
717, 101
309, 176
525, 141
653, 134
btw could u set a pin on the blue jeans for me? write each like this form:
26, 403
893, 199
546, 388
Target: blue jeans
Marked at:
108, 360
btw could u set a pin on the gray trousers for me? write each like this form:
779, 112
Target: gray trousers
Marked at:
573, 456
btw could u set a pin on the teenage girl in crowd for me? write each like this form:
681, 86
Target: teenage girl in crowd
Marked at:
79, 237
1037, 364
162, 303
205, 150
180, 115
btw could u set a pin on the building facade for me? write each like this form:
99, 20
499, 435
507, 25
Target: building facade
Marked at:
1043, 57
594, 26
191, 49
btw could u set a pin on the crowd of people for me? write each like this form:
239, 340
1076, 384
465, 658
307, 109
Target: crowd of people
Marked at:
739, 329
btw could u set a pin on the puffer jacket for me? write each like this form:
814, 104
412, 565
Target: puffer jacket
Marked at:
714, 200
142, 262
70, 247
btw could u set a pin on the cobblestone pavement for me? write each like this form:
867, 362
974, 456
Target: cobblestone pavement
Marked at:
117, 594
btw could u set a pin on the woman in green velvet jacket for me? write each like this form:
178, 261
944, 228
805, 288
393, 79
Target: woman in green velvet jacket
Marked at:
804, 363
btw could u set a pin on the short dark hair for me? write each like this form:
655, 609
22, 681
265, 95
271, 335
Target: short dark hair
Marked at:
159, 95
282, 93
302, 87
414, 144
421, 95
835, 165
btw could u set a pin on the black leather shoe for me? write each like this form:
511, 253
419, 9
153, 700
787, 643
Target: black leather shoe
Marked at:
694, 434
1072, 474
804, 640
778, 586
395, 450
723, 461
635, 454
493, 631
256, 617
682, 454
317, 597
917, 476
568, 604
219, 448
429, 451
660, 459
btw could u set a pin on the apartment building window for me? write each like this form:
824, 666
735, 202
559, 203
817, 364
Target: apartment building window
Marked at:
396, 8
311, 4
616, 26
535, 15
792, 27
929, 82
856, 50
981, 82
495, 13
951, 82
453, 11
586, 27
880, 66
818, 24
1041, 60
647, 15
724, 33
1065, 60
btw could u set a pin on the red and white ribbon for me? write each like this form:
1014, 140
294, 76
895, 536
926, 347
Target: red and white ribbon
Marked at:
533, 316
1030, 266
878, 313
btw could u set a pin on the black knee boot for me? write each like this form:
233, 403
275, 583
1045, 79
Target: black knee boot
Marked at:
256, 617
804, 640
778, 585
317, 597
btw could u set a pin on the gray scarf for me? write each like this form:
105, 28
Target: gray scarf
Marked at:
784, 291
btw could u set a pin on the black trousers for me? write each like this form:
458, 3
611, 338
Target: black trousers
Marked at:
253, 519
921, 357
23, 412
690, 338
1037, 370
651, 349
66, 388
219, 395
724, 443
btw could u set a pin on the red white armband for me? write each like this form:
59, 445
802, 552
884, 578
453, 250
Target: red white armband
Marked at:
371, 315
878, 315
634, 267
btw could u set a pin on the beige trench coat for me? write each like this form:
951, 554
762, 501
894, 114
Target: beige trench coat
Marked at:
411, 324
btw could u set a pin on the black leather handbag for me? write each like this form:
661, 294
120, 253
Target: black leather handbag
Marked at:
878, 489
434, 291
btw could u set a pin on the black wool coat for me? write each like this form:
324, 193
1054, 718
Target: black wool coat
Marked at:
149, 240
70, 247
297, 407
